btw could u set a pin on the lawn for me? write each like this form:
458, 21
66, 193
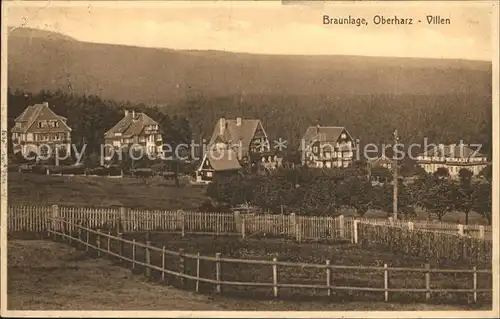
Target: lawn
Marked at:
152, 193
45, 275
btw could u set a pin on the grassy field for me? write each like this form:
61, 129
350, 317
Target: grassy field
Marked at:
45, 275
151, 193
34, 189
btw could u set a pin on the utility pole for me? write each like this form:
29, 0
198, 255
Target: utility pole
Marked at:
395, 177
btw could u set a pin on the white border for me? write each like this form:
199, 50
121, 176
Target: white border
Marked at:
246, 314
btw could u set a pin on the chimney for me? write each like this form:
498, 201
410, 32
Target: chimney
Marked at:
317, 129
222, 125
126, 112
238, 121
133, 114
46, 104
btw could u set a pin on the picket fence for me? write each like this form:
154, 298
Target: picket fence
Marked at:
397, 236
473, 230
220, 273
35, 219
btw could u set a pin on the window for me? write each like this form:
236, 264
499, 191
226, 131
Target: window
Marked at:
209, 174
53, 124
42, 124
343, 135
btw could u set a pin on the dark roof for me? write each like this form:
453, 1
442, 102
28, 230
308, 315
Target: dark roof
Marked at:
380, 160
130, 126
323, 134
233, 133
39, 112
222, 160
452, 151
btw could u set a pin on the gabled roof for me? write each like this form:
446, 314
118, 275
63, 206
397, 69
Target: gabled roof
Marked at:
39, 112
221, 160
452, 151
380, 160
130, 126
234, 133
323, 134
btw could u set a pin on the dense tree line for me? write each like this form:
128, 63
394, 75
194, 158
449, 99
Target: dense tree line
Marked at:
90, 116
324, 192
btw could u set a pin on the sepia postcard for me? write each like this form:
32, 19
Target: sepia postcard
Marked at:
294, 159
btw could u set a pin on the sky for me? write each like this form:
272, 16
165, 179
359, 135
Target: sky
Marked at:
268, 27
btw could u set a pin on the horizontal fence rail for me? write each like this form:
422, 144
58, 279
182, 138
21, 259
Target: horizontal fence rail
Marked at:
205, 273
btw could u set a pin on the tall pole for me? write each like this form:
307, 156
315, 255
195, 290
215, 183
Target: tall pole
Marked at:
395, 177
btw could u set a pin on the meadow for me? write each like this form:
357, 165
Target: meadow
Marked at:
97, 191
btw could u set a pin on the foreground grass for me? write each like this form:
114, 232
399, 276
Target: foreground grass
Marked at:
44, 275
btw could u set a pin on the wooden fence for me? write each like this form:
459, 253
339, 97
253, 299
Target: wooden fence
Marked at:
430, 245
400, 237
208, 273
479, 231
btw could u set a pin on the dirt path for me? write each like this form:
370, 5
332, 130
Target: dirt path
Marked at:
44, 275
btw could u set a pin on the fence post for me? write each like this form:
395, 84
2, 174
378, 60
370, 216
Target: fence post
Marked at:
298, 233
355, 230
183, 220
182, 266
243, 228
218, 273
124, 219
97, 242
163, 263
197, 272
386, 283
70, 233
293, 223
410, 226
275, 277
133, 253
147, 271
341, 227
328, 277
237, 221
428, 282
474, 283
79, 234
121, 245
460, 229
481, 232
87, 239
109, 244
55, 217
